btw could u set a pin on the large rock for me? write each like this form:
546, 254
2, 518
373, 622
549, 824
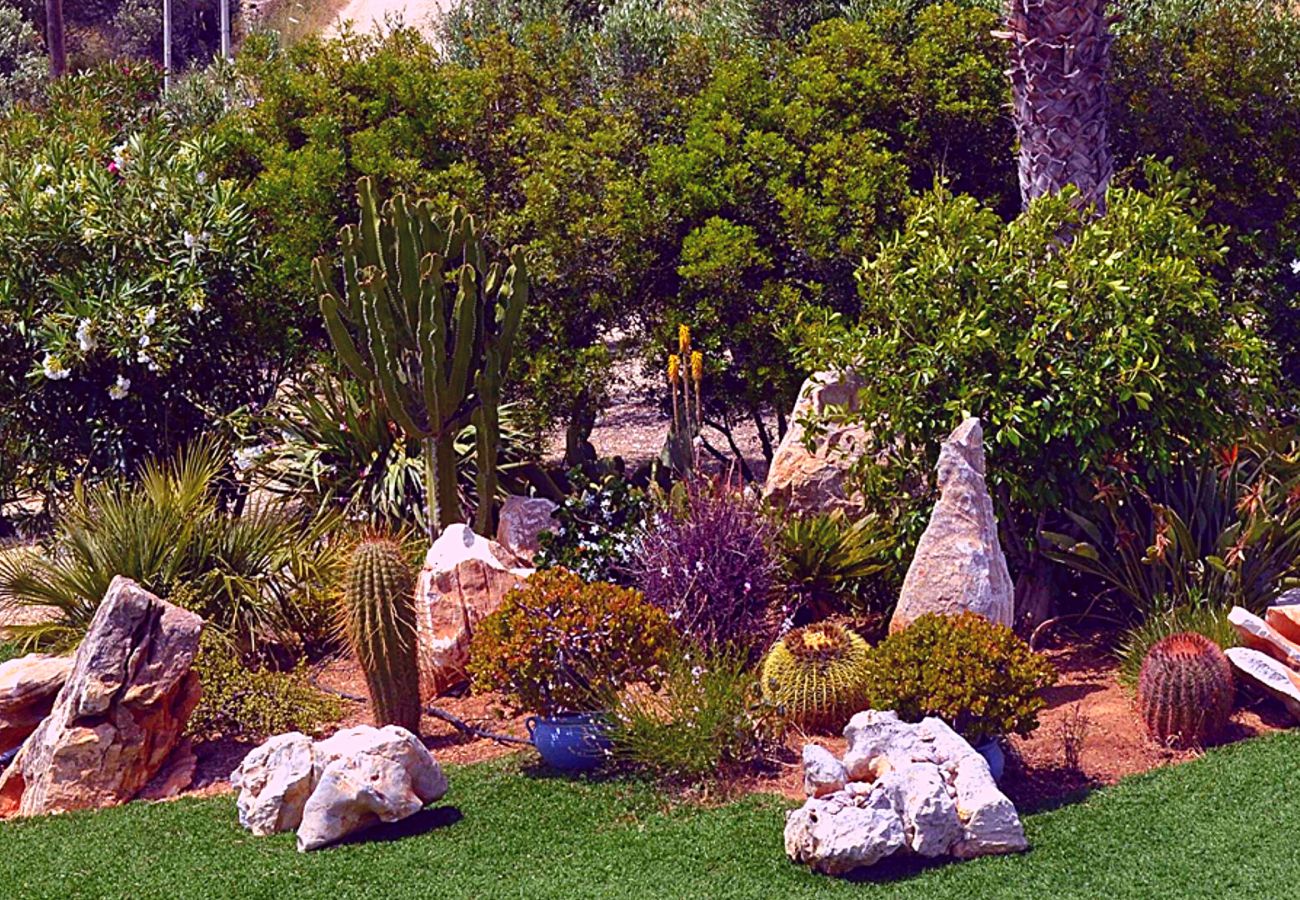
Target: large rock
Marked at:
1284, 618
521, 523
28, 686
120, 714
959, 566
918, 789
336, 787
464, 579
1274, 678
1259, 635
811, 479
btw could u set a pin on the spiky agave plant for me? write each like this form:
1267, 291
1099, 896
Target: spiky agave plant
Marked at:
379, 622
817, 675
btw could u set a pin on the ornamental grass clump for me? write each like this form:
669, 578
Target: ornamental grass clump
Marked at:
976, 676
558, 644
710, 565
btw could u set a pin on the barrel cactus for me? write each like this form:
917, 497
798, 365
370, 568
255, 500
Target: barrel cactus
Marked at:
1185, 690
817, 675
379, 622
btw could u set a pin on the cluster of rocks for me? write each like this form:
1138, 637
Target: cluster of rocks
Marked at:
1270, 657
327, 790
900, 789
111, 717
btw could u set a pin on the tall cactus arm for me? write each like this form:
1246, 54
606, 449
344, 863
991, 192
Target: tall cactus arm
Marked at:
409, 255
368, 227
514, 290
340, 337
466, 314
430, 332
380, 325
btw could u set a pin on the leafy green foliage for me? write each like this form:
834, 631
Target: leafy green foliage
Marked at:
978, 677
1118, 342
703, 719
10, 650
23, 66
173, 533
596, 528
1227, 531
559, 644
129, 324
251, 703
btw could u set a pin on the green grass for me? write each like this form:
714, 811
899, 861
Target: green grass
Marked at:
1224, 825
10, 650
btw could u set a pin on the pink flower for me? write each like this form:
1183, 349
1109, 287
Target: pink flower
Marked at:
112, 166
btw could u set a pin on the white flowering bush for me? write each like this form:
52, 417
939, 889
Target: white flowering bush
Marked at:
127, 272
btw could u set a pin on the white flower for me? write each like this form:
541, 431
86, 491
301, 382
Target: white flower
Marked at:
1295, 267
146, 359
52, 366
85, 336
190, 240
119, 389
699, 565
119, 155
201, 178
50, 190
246, 456
144, 340
150, 316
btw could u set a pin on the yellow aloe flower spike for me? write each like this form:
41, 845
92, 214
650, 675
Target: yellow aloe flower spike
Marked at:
674, 368
697, 365
683, 339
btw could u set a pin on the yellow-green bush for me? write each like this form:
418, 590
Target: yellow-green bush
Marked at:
978, 677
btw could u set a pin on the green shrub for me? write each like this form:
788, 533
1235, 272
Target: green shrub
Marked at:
23, 66
253, 704
559, 644
10, 650
172, 533
702, 719
1119, 344
130, 323
978, 677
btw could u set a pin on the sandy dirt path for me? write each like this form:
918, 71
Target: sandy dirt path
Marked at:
365, 15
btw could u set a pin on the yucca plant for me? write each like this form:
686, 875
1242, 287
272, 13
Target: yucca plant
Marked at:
336, 449
170, 532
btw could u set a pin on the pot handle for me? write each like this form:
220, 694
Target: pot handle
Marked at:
531, 724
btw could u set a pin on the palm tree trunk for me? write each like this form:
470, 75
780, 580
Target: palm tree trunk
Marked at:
54, 35
1060, 54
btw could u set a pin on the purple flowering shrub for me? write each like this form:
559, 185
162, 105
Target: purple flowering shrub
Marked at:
710, 565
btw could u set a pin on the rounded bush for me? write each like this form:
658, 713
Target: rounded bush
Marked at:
976, 676
817, 675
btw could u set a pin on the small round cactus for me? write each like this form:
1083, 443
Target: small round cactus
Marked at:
816, 675
379, 622
1185, 690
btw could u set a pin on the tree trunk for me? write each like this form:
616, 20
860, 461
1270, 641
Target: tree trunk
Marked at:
54, 38
1060, 53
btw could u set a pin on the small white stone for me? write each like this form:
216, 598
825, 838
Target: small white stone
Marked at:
822, 773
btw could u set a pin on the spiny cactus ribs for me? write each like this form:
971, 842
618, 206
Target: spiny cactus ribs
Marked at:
379, 620
1185, 690
817, 675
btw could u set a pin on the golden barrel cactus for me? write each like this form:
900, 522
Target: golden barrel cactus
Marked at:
817, 675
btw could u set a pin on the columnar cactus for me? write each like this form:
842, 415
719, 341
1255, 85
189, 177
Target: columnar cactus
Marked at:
379, 622
1185, 690
429, 325
817, 675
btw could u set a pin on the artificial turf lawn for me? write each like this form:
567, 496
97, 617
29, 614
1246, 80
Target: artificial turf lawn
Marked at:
1222, 826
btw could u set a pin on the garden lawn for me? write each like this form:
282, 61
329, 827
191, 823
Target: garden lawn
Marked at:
1224, 825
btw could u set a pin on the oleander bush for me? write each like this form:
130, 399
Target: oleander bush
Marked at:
560, 644
978, 677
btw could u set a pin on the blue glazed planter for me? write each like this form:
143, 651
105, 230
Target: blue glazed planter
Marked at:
993, 755
573, 742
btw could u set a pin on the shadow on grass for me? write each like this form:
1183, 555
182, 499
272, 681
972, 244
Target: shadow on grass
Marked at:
423, 822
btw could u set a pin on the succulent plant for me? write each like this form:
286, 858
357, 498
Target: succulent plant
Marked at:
379, 622
1185, 690
817, 675
427, 323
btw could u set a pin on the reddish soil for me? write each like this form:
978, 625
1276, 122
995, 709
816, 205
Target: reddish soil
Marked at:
1087, 708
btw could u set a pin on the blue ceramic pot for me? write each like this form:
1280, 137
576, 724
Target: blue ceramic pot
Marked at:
993, 755
573, 742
